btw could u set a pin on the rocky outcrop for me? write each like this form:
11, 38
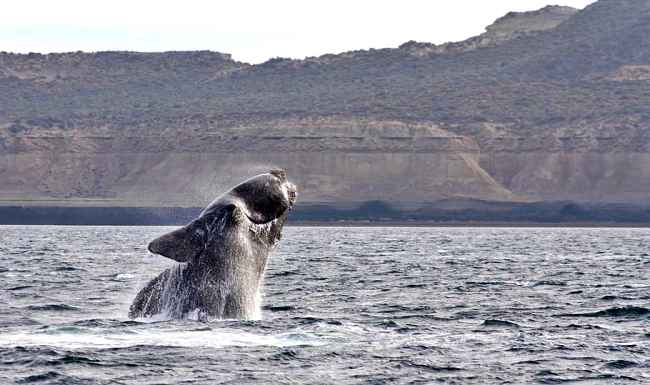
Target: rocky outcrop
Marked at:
543, 19
630, 73
511, 26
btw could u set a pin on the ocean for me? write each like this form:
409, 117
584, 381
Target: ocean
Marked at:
348, 305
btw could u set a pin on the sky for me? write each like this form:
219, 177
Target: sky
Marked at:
252, 31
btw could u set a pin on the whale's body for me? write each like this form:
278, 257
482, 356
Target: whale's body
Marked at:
223, 254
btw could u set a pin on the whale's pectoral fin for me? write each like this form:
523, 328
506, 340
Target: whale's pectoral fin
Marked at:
181, 245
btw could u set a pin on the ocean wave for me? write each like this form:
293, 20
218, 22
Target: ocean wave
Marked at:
17, 288
52, 307
500, 323
626, 312
621, 364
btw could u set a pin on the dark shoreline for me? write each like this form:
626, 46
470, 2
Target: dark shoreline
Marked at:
439, 214
495, 224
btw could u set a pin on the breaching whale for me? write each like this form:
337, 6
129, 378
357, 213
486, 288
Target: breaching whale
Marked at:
223, 254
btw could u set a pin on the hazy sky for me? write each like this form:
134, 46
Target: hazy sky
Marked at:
250, 30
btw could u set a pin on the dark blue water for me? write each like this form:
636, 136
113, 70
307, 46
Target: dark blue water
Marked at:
342, 306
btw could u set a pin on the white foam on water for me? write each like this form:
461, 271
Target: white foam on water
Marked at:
124, 276
85, 339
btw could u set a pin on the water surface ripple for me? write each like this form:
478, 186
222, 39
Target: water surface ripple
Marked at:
342, 305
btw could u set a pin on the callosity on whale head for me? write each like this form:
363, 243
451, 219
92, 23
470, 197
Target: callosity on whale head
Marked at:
265, 197
224, 250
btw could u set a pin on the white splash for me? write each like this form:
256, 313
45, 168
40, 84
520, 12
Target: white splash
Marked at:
77, 338
173, 293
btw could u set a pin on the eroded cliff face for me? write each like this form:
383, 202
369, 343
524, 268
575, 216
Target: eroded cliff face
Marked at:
546, 105
332, 160
604, 162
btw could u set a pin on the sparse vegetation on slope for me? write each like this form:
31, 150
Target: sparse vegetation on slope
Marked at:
550, 105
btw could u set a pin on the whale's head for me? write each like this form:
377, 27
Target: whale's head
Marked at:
265, 197
259, 203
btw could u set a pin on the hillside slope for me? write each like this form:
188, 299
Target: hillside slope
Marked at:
545, 105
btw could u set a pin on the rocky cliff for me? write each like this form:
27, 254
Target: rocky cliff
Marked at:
546, 105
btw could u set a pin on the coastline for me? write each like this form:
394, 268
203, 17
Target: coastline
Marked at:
469, 224
507, 215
